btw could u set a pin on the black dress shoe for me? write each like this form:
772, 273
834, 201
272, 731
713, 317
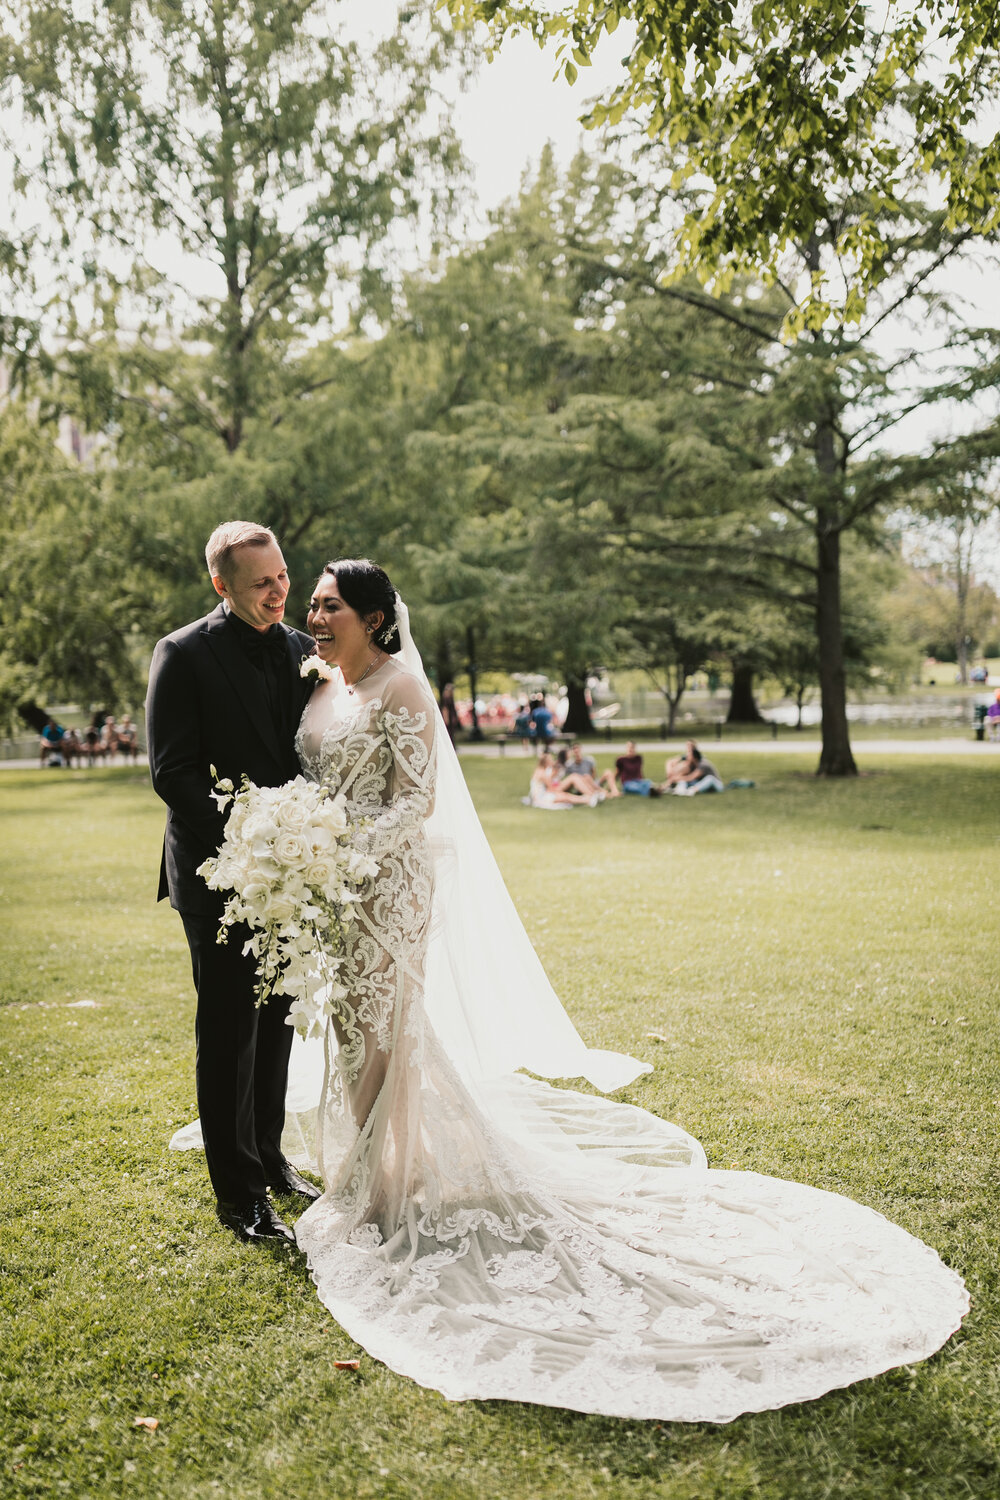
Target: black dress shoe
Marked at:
289, 1181
253, 1222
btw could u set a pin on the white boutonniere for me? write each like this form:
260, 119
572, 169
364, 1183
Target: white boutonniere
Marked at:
315, 669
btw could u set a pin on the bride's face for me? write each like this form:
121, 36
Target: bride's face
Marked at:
340, 632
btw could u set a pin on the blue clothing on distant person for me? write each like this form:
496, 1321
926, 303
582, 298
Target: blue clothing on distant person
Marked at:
541, 718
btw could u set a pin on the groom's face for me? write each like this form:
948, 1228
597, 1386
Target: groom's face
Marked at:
257, 585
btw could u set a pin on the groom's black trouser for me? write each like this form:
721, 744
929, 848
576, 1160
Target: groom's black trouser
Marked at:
242, 1063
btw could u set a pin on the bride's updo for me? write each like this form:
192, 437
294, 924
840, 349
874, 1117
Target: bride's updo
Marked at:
366, 588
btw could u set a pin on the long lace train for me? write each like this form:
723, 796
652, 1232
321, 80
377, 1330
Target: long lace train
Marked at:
491, 1236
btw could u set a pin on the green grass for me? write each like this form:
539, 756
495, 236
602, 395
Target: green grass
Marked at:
820, 960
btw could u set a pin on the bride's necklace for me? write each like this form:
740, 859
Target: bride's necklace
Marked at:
351, 686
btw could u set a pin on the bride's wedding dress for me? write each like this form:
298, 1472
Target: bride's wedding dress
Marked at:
490, 1235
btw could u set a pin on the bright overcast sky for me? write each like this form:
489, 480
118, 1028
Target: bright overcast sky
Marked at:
514, 106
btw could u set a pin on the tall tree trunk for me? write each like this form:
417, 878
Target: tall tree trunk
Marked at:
475, 733
443, 663
742, 704
963, 578
835, 758
578, 720
962, 658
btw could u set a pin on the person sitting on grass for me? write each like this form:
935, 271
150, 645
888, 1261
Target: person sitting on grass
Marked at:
703, 777
584, 766
547, 790
628, 768
678, 767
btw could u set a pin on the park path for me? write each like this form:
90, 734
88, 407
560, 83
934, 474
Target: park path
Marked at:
785, 746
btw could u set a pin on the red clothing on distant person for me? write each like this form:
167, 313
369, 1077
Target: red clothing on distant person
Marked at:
629, 767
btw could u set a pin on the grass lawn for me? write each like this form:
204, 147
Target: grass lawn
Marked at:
818, 966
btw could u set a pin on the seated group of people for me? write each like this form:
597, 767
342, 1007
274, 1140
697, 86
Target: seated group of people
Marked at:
685, 774
101, 740
571, 779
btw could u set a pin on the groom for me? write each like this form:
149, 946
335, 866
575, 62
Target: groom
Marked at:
225, 692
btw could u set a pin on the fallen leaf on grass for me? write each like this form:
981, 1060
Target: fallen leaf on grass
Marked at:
347, 1364
150, 1423
657, 1036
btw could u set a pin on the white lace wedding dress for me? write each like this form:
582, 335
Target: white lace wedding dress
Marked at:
490, 1235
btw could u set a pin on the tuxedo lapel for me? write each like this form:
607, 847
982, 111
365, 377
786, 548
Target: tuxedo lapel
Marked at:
302, 686
233, 660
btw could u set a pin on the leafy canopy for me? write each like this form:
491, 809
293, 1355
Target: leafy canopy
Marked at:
775, 110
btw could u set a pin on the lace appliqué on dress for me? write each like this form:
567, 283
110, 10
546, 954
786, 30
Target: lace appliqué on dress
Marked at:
540, 1245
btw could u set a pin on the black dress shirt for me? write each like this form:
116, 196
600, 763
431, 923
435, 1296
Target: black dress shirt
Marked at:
267, 653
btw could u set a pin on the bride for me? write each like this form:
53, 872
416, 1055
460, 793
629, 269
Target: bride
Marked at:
492, 1236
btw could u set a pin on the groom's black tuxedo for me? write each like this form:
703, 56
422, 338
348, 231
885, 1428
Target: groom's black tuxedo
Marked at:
222, 694
207, 706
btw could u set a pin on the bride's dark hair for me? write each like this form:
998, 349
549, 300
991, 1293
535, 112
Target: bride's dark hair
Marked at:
366, 588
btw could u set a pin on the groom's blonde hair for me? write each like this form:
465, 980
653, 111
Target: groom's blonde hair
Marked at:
228, 538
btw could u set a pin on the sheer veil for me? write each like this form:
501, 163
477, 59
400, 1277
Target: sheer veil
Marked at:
488, 997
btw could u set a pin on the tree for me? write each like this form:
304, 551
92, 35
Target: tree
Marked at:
223, 171
489, 351
69, 601
228, 179
786, 107
669, 636
941, 610
960, 530
810, 470
813, 141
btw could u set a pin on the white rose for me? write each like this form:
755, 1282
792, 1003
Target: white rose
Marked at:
316, 668
319, 873
292, 816
290, 849
278, 908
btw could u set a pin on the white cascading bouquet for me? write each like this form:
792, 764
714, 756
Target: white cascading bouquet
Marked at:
294, 878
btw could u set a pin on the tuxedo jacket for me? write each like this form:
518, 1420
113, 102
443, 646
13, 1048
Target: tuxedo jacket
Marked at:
204, 708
